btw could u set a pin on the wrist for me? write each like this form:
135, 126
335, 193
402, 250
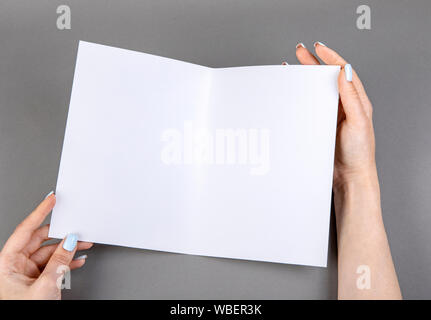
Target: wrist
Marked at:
363, 179
357, 194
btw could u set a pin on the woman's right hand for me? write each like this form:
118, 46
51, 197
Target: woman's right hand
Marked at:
355, 144
365, 267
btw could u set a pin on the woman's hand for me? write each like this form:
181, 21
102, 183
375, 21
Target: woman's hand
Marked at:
29, 270
365, 267
355, 146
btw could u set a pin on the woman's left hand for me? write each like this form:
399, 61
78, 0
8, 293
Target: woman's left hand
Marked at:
29, 270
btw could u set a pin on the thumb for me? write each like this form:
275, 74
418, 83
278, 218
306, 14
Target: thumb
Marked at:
350, 99
59, 262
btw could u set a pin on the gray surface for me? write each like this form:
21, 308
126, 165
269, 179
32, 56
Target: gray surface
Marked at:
393, 59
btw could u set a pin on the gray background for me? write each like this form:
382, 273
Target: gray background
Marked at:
393, 59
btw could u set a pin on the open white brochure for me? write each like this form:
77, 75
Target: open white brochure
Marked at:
166, 155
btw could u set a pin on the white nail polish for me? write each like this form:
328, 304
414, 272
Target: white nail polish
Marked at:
81, 257
319, 43
348, 72
300, 45
49, 194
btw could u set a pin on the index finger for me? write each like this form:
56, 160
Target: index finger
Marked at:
331, 57
23, 232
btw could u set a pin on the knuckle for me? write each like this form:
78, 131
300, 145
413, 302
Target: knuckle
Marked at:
364, 124
41, 235
351, 91
61, 258
335, 58
21, 226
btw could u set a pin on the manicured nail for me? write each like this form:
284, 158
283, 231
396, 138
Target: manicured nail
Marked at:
300, 45
319, 43
81, 257
348, 72
49, 194
70, 242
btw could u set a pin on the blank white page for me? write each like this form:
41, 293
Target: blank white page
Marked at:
147, 161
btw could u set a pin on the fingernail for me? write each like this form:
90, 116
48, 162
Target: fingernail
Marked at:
348, 72
49, 194
81, 257
70, 242
300, 45
319, 43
